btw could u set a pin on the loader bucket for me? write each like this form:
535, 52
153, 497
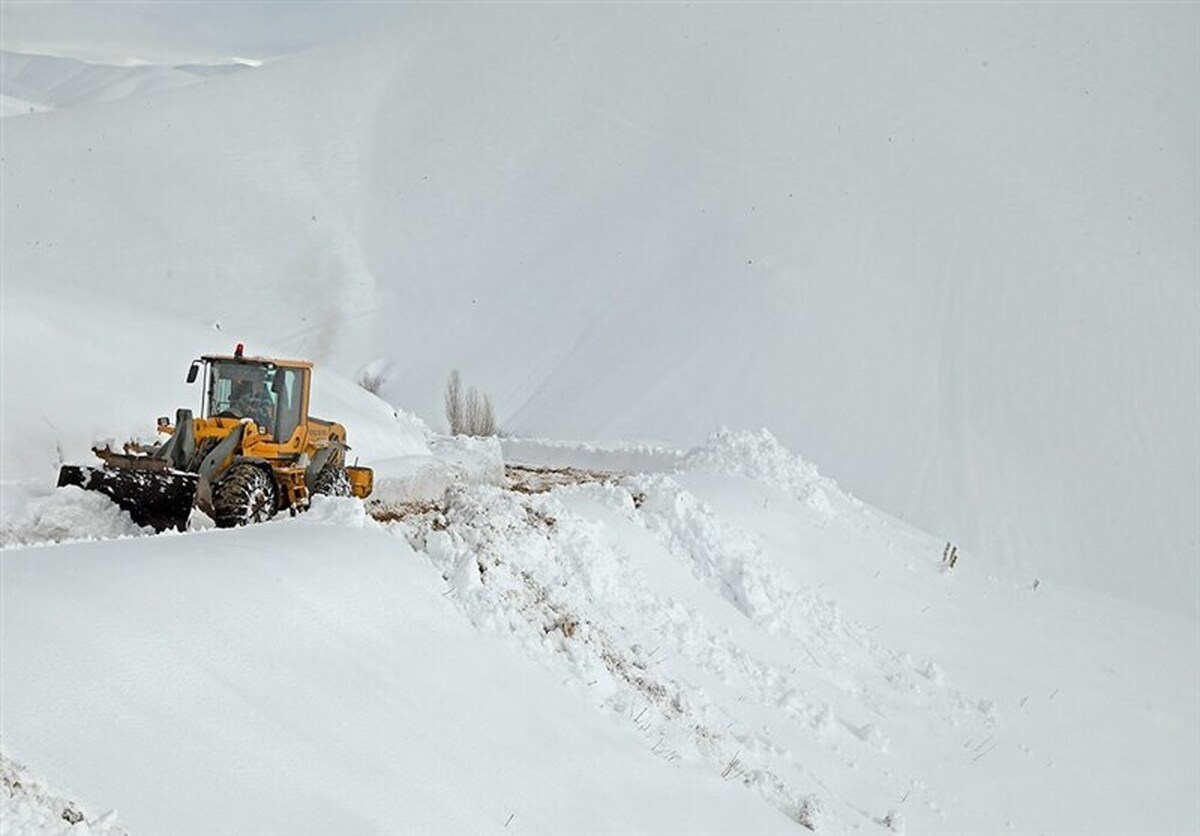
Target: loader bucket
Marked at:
158, 498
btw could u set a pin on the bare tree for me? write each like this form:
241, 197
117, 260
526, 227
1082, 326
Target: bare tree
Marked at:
469, 412
454, 404
487, 418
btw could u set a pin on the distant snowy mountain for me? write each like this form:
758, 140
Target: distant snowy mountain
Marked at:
34, 83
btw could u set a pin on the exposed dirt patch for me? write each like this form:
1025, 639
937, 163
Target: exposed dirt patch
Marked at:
391, 512
529, 479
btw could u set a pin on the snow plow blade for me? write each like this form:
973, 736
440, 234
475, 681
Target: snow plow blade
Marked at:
157, 497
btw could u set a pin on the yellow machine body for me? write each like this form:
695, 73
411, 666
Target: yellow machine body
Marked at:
253, 450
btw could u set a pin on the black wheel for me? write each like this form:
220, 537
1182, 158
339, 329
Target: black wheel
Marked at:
332, 481
245, 494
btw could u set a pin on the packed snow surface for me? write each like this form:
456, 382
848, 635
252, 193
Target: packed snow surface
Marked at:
316, 683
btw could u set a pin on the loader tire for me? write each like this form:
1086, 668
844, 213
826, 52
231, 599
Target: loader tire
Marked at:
245, 494
332, 481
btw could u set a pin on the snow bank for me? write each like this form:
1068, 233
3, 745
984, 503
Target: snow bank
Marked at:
717, 554
32, 516
666, 616
451, 461
537, 572
827, 663
303, 678
760, 456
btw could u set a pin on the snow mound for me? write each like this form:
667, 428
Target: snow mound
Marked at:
547, 577
344, 511
719, 555
665, 616
425, 478
760, 456
64, 515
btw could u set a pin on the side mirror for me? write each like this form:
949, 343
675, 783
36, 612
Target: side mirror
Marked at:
193, 371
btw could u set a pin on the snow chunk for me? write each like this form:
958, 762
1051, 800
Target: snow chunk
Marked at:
69, 513
718, 554
452, 461
758, 456
344, 511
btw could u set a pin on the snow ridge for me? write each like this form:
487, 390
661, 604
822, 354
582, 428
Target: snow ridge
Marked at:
670, 618
533, 569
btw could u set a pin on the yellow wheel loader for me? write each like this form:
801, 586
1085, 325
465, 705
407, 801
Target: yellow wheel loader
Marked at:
253, 451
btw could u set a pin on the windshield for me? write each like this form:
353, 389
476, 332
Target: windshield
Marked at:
267, 394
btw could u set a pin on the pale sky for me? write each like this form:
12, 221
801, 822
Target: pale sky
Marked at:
178, 31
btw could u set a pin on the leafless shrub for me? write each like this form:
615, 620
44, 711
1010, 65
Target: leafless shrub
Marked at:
487, 418
950, 555
454, 403
371, 381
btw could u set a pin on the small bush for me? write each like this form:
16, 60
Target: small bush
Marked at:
370, 382
950, 555
374, 375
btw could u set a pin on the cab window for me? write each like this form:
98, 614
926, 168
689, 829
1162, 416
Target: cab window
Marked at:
289, 387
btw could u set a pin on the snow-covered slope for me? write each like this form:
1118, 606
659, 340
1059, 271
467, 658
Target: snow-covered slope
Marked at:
93, 368
949, 250
315, 680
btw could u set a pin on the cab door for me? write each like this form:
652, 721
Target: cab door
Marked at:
291, 405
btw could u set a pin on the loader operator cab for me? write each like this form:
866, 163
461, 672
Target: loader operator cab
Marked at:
270, 395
